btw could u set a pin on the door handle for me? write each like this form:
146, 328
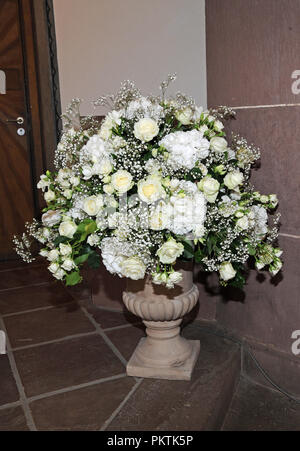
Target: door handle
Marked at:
19, 120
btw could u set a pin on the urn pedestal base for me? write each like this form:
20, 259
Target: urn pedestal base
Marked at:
136, 366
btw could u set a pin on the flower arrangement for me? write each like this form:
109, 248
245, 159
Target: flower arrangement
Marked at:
154, 182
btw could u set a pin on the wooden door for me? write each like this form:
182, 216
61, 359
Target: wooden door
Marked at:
16, 150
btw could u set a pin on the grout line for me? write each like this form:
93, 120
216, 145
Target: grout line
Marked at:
10, 405
49, 307
279, 105
76, 387
124, 326
41, 284
57, 340
289, 236
104, 336
118, 409
23, 399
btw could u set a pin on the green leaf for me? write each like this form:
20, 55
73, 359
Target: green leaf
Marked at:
60, 239
251, 249
198, 256
81, 259
94, 260
73, 278
188, 250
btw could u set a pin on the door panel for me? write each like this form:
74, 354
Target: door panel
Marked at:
16, 187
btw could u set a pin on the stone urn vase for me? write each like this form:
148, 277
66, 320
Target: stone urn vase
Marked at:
164, 353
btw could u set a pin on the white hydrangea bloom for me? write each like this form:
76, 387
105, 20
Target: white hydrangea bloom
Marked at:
185, 148
114, 252
259, 219
188, 213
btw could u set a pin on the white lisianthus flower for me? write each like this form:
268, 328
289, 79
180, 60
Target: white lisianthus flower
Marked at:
243, 223
210, 188
275, 267
273, 200
75, 181
184, 116
43, 183
146, 129
49, 196
218, 126
133, 268
68, 193
68, 264
87, 172
92, 205
59, 274
65, 249
150, 189
173, 279
67, 228
44, 253
51, 218
218, 144
233, 179
53, 255
156, 278
122, 181
227, 271
170, 251
53, 267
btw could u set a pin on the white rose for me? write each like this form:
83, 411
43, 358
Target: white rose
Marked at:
68, 264
184, 116
218, 144
170, 251
51, 218
227, 271
108, 189
145, 129
275, 267
210, 188
122, 181
65, 249
243, 223
156, 278
67, 228
233, 179
92, 205
44, 253
150, 189
133, 267
49, 196
273, 200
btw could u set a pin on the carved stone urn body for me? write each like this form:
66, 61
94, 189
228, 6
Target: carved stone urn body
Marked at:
164, 353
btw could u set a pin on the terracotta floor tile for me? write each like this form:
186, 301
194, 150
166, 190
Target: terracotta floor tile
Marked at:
28, 298
13, 419
81, 410
8, 389
24, 276
107, 319
45, 325
59, 365
126, 339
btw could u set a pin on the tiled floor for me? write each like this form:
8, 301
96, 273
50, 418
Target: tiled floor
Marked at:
65, 369
65, 365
